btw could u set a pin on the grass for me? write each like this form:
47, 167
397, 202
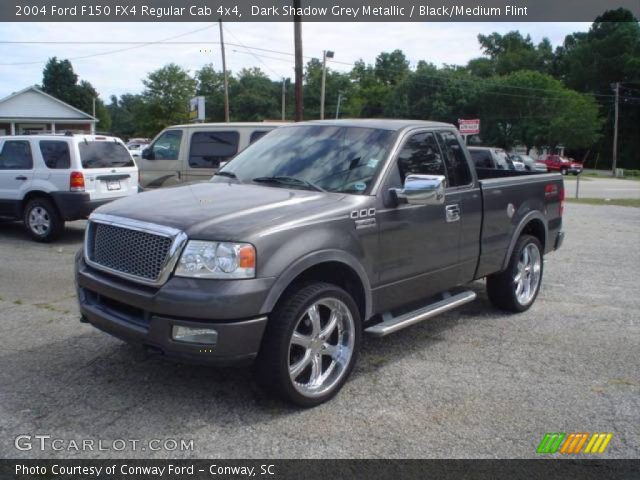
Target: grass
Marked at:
619, 202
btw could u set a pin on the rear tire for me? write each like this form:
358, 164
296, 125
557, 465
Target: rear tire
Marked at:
516, 288
563, 171
42, 220
310, 344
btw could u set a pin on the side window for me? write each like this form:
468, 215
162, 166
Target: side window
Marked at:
55, 154
208, 149
455, 160
257, 135
420, 155
16, 155
167, 146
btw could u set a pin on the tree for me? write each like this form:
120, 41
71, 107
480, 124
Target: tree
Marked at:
122, 112
336, 83
593, 62
534, 109
211, 86
254, 96
165, 99
60, 81
512, 52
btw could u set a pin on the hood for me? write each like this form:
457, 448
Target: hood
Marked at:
226, 211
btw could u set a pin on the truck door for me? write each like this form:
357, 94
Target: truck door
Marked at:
463, 200
418, 254
161, 162
16, 174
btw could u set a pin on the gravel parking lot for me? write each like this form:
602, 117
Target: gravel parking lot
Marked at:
471, 383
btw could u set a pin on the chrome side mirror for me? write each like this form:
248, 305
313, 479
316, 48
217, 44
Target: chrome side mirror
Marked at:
422, 190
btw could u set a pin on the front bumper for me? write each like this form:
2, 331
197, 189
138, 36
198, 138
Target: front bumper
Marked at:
146, 316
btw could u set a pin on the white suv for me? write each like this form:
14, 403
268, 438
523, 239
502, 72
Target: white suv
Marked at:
49, 179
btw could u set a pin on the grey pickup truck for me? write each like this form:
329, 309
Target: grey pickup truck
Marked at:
320, 232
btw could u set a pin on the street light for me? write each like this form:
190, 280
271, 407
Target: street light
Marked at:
325, 54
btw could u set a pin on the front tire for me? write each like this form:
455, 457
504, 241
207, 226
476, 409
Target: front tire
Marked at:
563, 171
42, 220
310, 345
517, 287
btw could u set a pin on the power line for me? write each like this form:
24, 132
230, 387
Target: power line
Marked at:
110, 52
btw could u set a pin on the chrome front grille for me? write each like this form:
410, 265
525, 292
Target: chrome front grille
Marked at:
134, 250
129, 251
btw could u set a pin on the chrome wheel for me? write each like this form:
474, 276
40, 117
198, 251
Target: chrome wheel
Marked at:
39, 220
321, 347
527, 276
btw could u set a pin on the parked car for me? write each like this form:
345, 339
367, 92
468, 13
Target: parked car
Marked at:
327, 229
194, 152
49, 179
491, 158
529, 163
556, 163
136, 148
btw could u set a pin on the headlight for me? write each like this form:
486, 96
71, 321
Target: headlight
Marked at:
217, 260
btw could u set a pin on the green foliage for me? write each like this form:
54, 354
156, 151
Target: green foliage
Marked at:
165, 100
60, 81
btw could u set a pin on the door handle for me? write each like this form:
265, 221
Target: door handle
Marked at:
453, 213
21, 177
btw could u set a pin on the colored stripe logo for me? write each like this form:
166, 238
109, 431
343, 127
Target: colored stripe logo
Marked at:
573, 443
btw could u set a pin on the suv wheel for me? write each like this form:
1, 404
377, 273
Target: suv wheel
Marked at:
42, 220
517, 287
310, 345
564, 171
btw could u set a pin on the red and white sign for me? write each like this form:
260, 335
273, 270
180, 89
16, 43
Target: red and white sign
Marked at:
469, 127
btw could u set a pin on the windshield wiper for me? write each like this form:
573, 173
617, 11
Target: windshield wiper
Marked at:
284, 180
224, 173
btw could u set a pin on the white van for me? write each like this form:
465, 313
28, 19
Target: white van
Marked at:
49, 179
194, 152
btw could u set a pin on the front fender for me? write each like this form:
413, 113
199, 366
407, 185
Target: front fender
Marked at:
310, 260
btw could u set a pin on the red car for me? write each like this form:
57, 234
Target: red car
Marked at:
556, 163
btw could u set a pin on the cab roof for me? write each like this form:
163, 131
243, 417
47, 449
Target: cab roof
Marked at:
381, 123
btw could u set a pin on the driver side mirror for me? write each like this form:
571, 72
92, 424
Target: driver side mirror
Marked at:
421, 190
147, 154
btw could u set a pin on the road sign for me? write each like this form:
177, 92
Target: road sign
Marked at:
469, 127
196, 109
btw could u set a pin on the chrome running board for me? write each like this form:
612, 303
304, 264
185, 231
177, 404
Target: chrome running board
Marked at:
393, 324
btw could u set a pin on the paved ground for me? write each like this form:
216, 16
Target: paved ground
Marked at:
472, 383
591, 187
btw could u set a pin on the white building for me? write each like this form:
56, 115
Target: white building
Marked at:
31, 110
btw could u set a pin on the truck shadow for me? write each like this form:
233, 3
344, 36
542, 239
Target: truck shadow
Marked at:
92, 384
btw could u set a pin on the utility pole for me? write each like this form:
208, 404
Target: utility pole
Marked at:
297, 40
284, 94
615, 133
338, 107
224, 71
325, 54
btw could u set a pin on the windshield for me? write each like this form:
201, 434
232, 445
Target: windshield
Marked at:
104, 154
331, 158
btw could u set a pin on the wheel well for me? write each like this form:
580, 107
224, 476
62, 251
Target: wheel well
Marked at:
337, 273
35, 194
536, 228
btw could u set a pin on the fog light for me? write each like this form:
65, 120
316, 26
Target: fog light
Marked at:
194, 335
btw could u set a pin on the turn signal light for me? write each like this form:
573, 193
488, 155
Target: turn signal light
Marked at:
247, 256
76, 182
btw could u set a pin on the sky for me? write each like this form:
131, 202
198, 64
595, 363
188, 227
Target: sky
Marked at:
114, 69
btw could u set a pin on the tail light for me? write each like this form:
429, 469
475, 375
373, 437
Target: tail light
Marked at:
552, 190
561, 199
76, 182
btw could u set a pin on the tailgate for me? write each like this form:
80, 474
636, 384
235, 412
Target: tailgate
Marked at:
105, 183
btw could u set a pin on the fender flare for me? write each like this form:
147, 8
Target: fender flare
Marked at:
534, 215
310, 260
